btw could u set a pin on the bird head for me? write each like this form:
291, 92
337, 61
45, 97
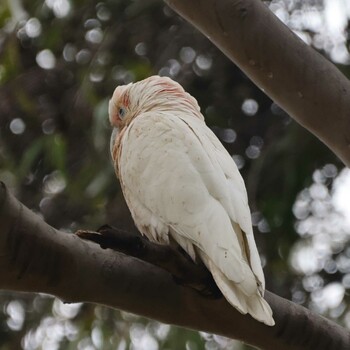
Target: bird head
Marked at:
154, 93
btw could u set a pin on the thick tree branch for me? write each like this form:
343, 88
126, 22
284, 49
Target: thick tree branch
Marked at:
170, 258
34, 257
311, 89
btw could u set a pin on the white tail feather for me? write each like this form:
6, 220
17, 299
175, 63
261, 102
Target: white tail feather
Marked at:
255, 305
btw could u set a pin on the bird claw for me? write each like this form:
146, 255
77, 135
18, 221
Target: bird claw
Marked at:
93, 236
109, 237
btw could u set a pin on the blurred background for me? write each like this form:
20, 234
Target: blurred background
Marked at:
60, 61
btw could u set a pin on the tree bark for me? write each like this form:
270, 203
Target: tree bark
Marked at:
307, 86
34, 257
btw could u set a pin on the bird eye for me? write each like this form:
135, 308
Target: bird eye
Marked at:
121, 112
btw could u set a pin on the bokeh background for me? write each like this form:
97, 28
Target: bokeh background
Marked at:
60, 61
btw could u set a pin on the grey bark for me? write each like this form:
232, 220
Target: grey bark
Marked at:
34, 257
300, 80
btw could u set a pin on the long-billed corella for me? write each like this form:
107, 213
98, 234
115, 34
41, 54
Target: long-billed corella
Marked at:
181, 184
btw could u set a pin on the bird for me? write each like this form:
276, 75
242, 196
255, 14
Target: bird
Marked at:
181, 185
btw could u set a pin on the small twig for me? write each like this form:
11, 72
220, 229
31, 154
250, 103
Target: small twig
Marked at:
172, 259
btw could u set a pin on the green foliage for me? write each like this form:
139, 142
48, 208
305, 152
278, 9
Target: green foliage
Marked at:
30, 157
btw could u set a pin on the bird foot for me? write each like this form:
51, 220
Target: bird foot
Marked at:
110, 237
184, 271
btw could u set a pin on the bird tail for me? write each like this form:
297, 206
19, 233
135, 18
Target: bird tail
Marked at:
255, 304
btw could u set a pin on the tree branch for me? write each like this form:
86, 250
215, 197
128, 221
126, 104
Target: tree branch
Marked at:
311, 89
34, 257
170, 258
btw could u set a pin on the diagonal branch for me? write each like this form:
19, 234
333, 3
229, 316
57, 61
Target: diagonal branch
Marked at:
168, 257
310, 88
34, 257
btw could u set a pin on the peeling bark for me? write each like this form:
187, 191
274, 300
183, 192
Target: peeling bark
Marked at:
34, 257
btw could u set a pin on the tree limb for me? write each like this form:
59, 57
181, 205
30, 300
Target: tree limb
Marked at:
170, 258
307, 86
34, 257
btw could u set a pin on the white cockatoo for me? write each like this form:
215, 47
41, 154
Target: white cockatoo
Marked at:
179, 182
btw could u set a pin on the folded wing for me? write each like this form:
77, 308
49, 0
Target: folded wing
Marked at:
179, 181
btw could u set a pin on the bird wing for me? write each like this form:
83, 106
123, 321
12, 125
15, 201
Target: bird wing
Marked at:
179, 181
236, 201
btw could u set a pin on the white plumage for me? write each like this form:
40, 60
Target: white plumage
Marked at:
179, 181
